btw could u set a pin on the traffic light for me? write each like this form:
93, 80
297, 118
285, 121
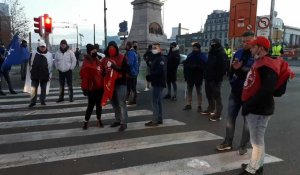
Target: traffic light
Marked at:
38, 25
47, 23
123, 27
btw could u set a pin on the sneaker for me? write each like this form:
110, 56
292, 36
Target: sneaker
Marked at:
244, 172
71, 100
131, 103
168, 96
160, 122
199, 109
2, 93
59, 100
13, 92
174, 98
115, 124
146, 89
224, 146
187, 107
215, 118
43, 103
100, 124
85, 125
207, 112
151, 123
122, 128
243, 150
259, 171
31, 105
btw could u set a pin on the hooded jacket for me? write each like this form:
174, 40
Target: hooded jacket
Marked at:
65, 61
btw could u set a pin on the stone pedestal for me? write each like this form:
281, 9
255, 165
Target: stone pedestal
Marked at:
147, 25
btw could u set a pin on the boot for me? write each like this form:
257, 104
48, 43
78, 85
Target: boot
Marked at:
61, 95
85, 125
71, 94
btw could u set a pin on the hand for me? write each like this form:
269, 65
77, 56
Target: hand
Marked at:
237, 64
85, 92
108, 64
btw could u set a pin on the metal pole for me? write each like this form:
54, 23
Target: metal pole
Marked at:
94, 35
271, 19
77, 35
105, 27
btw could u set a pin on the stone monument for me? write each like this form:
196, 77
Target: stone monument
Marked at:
147, 25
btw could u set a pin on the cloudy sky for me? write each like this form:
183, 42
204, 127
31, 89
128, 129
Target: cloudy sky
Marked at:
190, 13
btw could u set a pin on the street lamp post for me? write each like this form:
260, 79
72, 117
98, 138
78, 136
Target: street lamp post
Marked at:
105, 27
76, 36
271, 19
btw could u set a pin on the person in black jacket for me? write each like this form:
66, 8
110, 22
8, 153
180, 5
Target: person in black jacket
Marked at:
213, 75
193, 68
173, 60
158, 82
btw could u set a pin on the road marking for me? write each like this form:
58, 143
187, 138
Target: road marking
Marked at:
5, 100
97, 149
201, 165
51, 89
54, 134
25, 94
75, 119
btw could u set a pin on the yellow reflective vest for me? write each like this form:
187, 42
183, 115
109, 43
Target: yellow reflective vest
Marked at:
276, 50
228, 53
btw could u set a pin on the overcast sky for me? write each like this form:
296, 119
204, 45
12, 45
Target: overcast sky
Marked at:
190, 13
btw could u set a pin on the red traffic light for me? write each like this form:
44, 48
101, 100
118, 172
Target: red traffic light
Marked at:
38, 25
47, 23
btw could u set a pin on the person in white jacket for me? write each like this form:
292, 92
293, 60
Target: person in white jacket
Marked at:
65, 62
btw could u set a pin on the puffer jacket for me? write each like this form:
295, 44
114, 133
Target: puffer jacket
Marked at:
65, 61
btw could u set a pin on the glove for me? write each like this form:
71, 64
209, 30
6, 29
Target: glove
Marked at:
85, 92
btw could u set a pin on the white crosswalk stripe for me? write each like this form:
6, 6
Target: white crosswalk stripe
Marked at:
23, 126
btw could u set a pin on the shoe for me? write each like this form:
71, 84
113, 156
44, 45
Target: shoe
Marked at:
59, 100
224, 146
31, 105
115, 124
151, 123
174, 98
146, 89
160, 122
71, 100
243, 150
246, 173
131, 103
85, 125
100, 124
2, 93
207, 112
187, 107
13, 92
168, 96
43, 103
199, 109
215, 118
258, 172
122, 128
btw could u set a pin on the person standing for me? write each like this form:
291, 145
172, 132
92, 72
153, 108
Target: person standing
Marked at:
241, 65
117, 62
213, 75
40, 65
77, 55
158, 83
65, 62
132, 60
147, 56
228, 52
277, 50
91, 74
173, 60
193, 69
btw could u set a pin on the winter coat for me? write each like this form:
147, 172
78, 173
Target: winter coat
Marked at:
65, 61
215, 65
193, 68
41, 66
173, 60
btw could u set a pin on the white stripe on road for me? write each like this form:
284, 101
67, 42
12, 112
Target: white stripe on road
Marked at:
31, 111
4, 100
25, 105
53, 121
54, 134
51, 89
201, 165
97, 149
25, 94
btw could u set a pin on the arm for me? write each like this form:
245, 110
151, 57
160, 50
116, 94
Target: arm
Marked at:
73, 60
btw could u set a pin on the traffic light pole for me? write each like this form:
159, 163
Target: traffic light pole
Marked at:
76, 36
105, 27
271, 19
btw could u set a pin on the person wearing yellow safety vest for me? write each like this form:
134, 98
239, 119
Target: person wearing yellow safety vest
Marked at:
228, 52
277, 50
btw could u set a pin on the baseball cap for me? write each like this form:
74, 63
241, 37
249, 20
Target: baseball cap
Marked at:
42, 43
262, 41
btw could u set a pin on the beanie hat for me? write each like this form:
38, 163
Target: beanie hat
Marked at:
63, 42
197, 45
215, 41
261, 41
173, 44
41, 43
89, 48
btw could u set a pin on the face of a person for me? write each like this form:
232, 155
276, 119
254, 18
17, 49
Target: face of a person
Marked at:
245, 41
63, 46
42, 48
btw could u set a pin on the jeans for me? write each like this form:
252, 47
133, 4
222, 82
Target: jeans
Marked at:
257, 127
234, 106
119, 104
34, 86
174, 84
190, 93
94, 99
156, 103
213, 95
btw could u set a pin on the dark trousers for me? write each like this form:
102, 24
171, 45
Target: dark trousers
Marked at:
234, 106
190, 93
174, 84
131, 88
34, 86
63, 76
5, 74
157, 103
213, 95
94, 99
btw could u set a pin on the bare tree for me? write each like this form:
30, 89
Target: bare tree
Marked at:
19, 22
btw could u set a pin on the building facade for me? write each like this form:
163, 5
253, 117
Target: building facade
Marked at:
5, 24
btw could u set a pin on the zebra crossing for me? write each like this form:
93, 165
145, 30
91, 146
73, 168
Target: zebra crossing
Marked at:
49, 140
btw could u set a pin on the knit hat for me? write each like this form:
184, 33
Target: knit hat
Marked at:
197, 45
63, 42
215, 41
89, 48
173, 44
41, 43
261, 41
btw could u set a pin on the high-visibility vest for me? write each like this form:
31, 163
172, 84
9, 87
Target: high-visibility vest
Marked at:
276, 50
228, 53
